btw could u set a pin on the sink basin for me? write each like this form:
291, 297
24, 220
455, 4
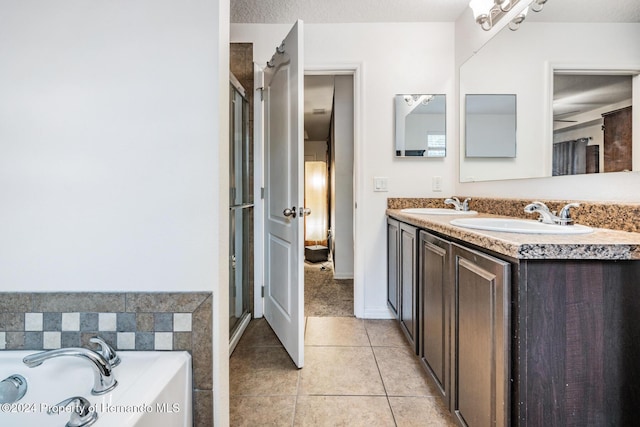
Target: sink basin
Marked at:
437, 211
519, 226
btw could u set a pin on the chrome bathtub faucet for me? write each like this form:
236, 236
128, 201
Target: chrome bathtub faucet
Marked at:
103, 378
106, 351
12, 388
81, 413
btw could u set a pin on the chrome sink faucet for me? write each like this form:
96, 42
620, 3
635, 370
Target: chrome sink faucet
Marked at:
457, 205
549, 217
103, 378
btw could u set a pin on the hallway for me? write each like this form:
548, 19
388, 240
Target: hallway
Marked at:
357, 373
325, 296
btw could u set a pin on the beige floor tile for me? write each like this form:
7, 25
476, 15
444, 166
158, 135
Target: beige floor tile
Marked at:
385, 333
351, 411
420, 412
340, 371
402, 373
336, 331
254, 411
258, 334
262, 371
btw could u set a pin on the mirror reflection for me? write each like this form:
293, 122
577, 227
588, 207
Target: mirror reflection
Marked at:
529, 61
420, 125
490, 126
591, 122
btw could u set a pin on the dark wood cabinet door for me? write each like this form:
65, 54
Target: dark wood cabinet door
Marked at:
617, 140
481, 339
393, 259
408, 282
434, 310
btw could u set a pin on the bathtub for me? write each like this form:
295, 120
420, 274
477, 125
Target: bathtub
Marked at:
154, 389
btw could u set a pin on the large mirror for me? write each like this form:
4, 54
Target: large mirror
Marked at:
545, 63
420, 125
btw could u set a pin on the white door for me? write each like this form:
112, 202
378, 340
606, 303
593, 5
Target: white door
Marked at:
283, 174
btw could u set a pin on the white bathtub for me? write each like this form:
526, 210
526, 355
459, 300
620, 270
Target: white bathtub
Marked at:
154, 389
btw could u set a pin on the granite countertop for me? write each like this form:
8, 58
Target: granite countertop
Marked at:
602, 244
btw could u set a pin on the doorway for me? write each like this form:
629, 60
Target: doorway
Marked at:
329, 192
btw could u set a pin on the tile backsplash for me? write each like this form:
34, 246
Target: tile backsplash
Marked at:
127, 321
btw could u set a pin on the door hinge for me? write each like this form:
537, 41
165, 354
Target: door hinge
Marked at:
261, 90
262, 192
262, 291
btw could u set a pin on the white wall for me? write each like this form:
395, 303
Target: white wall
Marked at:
113, 151
392, 59
108, 145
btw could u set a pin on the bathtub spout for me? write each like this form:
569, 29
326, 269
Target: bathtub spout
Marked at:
103, 378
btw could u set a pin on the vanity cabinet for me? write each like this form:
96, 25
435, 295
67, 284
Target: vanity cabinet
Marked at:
576, 343
548, 338
408, 282
393, 261
435, 306
481, 331
464, 329
402, 282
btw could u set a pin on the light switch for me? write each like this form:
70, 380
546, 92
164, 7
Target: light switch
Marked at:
436, 183
380, 183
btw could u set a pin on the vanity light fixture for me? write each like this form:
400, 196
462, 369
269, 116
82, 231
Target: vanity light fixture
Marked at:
488, 12
422, 99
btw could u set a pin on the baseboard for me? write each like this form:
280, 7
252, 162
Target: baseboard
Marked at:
342, 276
378, 313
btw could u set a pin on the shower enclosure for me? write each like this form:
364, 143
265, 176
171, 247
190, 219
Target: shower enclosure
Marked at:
240, 213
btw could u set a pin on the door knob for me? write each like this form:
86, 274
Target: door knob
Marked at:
289, 212
305, 212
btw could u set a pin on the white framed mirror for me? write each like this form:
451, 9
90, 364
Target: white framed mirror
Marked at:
420, 125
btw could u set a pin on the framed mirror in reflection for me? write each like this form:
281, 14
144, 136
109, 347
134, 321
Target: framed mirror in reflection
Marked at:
560, 39
490, 125
420, 125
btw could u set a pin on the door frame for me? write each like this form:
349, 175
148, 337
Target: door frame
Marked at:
258, 193
355, 70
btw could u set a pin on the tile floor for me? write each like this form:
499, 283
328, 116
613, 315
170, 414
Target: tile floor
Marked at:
357, 373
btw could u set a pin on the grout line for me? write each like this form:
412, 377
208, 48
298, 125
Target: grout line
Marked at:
295, 399
386, 394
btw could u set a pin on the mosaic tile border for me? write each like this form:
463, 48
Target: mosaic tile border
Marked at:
128, 321
124, 331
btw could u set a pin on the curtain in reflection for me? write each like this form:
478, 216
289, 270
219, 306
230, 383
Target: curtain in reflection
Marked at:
570, 157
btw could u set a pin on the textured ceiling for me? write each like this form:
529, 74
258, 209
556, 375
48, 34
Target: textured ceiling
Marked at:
337, 11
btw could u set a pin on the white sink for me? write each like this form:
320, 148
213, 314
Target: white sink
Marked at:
519, 226
437, 211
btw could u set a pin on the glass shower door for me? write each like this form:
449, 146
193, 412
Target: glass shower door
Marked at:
240, 214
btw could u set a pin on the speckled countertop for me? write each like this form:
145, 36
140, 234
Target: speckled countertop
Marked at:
601, 244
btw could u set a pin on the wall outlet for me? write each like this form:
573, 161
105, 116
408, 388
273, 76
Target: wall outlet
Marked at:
380, 183
436, 183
